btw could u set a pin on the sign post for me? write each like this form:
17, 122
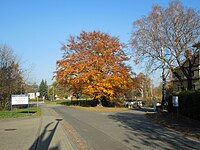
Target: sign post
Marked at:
154, 104
175, 103
37, 95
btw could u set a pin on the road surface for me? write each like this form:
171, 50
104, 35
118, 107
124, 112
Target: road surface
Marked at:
122, 130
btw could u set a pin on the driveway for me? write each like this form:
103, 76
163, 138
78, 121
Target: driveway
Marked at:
123, 130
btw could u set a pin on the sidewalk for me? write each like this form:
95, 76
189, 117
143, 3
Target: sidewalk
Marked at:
38, 133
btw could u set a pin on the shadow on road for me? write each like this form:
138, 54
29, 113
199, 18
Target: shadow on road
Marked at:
43, 144
141, 131
144, 109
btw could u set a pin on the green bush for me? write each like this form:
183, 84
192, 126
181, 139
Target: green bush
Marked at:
189, 104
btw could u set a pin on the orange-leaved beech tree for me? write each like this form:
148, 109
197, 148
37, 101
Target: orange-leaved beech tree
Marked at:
93, 63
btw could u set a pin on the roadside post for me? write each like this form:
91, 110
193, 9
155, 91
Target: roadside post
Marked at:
175, 104
154, 104
37, 95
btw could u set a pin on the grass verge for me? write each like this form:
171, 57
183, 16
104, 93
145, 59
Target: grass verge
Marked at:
54, 102
20, 113
102, 109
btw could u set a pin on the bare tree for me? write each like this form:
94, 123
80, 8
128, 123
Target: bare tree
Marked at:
10, 76
165, 37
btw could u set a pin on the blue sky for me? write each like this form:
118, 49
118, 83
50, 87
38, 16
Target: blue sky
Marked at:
35, 28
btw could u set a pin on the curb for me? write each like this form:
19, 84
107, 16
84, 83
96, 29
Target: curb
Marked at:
75, 139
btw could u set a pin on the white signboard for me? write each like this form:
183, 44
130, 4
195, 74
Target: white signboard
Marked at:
19, 99
37, 94
175, 101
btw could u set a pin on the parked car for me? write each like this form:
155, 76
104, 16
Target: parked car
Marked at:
133, 103
157, 106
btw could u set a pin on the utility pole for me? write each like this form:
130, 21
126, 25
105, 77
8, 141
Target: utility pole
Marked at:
53, 92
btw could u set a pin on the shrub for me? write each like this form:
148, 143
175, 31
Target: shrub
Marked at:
84, 103
189, 104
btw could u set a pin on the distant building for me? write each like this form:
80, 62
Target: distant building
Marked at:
195, 71
32, 95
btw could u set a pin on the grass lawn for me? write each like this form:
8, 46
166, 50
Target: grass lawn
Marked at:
25, 112
53, 102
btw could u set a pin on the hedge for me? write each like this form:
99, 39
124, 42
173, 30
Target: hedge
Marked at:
189, 104
89, 103
84, 103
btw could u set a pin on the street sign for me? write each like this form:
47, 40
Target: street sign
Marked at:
37, 94
175, 101
19, 99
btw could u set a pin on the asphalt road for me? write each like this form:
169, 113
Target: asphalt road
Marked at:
123, 131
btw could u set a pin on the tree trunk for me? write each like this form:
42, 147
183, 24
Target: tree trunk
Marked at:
163, 92
189, 83
190, 75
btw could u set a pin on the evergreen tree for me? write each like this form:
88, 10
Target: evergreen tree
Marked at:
43, 89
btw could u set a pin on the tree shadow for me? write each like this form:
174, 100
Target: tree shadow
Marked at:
27, 112
139, 130
43, 144
144, 109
